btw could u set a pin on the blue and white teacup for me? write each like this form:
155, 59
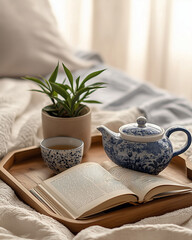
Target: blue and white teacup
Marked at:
61, 153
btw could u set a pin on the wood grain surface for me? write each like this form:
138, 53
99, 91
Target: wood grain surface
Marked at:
23, 169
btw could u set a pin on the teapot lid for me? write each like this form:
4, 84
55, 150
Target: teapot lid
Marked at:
141, 131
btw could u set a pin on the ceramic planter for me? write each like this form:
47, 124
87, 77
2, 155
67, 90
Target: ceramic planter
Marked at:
77, 127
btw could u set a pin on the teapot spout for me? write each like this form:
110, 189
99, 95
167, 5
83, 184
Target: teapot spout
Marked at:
107, 133
110, 141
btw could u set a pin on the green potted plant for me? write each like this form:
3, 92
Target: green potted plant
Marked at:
68, 114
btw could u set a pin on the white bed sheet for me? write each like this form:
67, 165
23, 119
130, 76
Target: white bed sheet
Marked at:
20, 126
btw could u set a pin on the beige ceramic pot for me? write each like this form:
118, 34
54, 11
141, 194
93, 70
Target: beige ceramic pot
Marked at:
77, 127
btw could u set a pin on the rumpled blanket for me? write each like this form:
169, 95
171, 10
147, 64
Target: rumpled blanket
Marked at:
20, 126
176, 225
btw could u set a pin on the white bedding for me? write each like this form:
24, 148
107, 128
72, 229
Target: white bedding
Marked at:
31, 43
20, 126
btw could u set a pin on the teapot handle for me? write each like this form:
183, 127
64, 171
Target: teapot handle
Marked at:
188, 142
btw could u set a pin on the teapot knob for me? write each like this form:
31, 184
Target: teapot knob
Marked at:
141, 121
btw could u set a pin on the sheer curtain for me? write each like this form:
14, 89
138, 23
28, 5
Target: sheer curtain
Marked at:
151, 40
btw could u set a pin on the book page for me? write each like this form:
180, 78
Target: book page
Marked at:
85, 186
141, 183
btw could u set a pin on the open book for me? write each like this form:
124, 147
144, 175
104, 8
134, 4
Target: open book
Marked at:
89, 188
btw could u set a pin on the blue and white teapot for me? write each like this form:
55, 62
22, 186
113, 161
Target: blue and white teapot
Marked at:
142, 146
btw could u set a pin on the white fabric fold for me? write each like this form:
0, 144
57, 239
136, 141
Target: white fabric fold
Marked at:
19, 221
20, 126
176, 225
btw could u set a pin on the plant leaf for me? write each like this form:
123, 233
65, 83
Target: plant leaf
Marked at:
64, 86
77, 95
64, 105
46, 81
35, 90
91, 101
36, 80
77, 112
64, 80
50, 108
60, 90
69, 75
54, 74
77, 83
98, 83
91, 75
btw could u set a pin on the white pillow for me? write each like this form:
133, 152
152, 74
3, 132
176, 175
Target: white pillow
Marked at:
30, 40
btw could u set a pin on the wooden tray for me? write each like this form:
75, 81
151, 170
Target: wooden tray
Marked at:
24, 169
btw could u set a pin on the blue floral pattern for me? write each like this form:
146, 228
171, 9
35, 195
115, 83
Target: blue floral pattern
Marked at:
60, 160
140, 132
150, 154
150, 157
144, 156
